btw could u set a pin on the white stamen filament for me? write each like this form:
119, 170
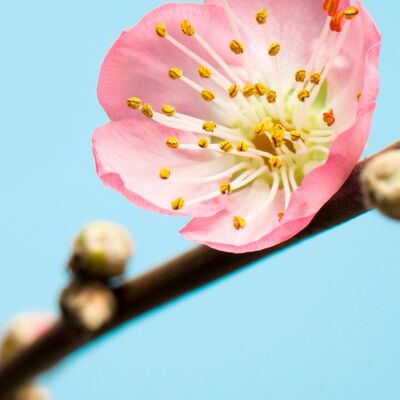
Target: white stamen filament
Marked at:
286, 186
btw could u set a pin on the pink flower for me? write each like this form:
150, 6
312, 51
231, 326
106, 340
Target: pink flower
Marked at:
246, 115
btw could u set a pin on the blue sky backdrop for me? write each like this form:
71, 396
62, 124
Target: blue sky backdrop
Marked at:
319, 321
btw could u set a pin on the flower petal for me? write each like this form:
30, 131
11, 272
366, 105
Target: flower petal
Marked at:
130, 154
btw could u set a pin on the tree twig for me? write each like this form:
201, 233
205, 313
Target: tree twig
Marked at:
175, 278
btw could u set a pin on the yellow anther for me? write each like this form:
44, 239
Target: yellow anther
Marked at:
239, 223
242, 147
274, 49
303, 95
295, 135
278, 135
225, 188
203, 143
209, 126
165, 173
178, 203
147, 110
315, 78
134, 102
169, 110
260, 89
271, 96
226, 146
248, 90
268, 123
161, 30
329, 117
237, 47
233, 91
175, 73
172, 142
351, 12
262, 16
301, 75
275, 162
259, 129
204, 72
207, 95
187, 28
358, 97
280, 215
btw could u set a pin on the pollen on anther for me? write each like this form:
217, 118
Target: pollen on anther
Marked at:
168, 110
260, 89
278, 135
315, 78
172, 142
187, 28
274, 49
351, 12
336, 24
225, 188
303, 95
329, 117
209, 126
161, 30
331, 7
295, 135
236, 46
358, 97
147, 110
239, 223
259, 129
281, 215
203, 143
271, 96
242, 147
262, 16
226, 146
134, 102
248, 90
175, 73
165, 173
204, 72
233, 91
301, 75
178, 203
208, 95
275, 162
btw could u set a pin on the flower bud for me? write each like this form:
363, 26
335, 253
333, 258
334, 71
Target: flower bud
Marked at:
381, 184
22, 331
101, 250
88, 305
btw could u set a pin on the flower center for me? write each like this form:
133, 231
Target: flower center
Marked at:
275, 134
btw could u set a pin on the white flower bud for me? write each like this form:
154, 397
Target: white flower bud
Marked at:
101, 250
22, 331
88, 305
381, 184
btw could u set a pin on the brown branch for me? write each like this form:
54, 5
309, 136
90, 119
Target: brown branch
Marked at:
177, 277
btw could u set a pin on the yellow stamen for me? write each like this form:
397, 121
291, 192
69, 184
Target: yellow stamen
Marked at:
175, 73
147, 110
165, 173
259, 129
248, 90
260, 89
209, 126
295, 135
262, 16
358, 97
172, 142
351, 12
274, 49
161, 30
301, 75
207, 95
271, 96
178, 203
169, 110
280, 215
226, 146
134, 102
203, 143
239, 223
278, 135
237, 47
204, 72
187, 28
225, 188
242, 147
315, 78
233, 91
268, 123
275, 162
303, 95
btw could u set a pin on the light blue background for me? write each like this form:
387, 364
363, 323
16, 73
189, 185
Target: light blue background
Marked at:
320, 321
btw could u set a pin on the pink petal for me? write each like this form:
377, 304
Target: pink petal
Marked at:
130, 154
138, 62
